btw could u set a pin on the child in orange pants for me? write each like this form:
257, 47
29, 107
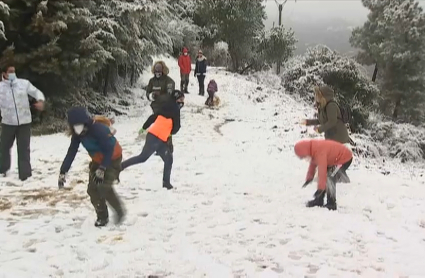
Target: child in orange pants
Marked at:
332, 160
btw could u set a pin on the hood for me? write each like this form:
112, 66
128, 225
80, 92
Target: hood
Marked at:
79, 115
165, 69
202, 58
303, 148
185, 50
327, 92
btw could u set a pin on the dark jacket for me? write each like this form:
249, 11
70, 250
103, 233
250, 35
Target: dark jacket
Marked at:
201, 66
160, 86
330, 119
168, 110
98, 140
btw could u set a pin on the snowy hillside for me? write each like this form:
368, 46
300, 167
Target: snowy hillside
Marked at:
238, 210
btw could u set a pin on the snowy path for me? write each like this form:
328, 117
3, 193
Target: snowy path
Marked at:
238, 210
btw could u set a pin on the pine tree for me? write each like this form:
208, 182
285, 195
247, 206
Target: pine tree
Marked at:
236, 22
394, 39
4, 14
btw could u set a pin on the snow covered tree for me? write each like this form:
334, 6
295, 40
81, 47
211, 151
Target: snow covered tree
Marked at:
236, 22
277, 44
320, 65
394, 39
4, 14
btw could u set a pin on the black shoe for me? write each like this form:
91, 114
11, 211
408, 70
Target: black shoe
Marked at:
319, 195
25, 178
167, 185
119, 217
101, 222
331, 205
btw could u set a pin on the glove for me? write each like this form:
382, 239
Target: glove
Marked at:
307, 183
61, 181
141, 131
99, 176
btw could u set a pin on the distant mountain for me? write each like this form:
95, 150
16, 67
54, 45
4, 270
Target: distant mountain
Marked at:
333, 32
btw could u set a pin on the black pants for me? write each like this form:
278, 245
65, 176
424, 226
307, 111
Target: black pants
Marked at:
334, 177
201, 80
153, 144
22, 134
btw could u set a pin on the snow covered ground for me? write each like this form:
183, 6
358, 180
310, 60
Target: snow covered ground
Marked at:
238, 210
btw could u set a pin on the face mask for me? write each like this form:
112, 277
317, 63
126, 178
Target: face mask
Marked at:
11, 76
185, 54
158, 74
78, 129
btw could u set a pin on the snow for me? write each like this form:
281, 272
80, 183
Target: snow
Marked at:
238, 210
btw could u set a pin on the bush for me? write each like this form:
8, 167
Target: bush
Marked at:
320, 66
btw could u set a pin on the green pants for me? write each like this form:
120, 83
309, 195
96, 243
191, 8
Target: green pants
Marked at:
102, 193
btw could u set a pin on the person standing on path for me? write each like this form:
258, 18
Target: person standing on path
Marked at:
15, 94
329, 119
201, 71
185, 65
105, 167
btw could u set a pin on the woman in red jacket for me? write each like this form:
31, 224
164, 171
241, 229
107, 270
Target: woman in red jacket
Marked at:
185, 65
332, 160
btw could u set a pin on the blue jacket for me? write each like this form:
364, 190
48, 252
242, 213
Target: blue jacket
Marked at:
98, 140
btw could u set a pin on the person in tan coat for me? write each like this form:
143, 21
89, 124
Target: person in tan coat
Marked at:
329, 119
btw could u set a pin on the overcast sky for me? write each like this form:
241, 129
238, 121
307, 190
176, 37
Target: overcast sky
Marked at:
313, 10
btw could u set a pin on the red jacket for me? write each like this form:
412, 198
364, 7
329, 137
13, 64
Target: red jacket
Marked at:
323, 153
185, 64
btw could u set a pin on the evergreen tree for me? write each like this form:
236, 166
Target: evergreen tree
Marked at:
394, 39
236, 22
277, 44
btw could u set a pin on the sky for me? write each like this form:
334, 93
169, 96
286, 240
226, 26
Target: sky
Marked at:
313, 10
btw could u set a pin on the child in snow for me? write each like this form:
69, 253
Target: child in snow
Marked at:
211, 90
106, 154
333, 159
160, 125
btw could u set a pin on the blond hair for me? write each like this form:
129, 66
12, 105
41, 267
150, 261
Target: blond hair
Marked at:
319, 97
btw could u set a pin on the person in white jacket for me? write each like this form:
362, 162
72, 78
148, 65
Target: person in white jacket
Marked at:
16, 120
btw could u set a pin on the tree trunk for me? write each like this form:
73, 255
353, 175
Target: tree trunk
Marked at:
105, 85
396, 108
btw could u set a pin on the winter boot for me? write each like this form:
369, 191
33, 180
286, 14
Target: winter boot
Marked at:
319, 195
167, 185
101, 222
331, 202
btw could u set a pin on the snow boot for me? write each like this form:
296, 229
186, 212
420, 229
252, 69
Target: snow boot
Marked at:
167, 185
101, 222
331, 202
319, 195
119, 217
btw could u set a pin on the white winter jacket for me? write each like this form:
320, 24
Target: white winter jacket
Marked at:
14, 101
